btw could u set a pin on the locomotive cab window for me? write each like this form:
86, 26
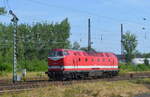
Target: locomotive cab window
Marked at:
65, 53
55, 53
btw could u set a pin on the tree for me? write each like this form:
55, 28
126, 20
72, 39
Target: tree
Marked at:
2, 10
33, 41
146, 61
129, 43
76, 46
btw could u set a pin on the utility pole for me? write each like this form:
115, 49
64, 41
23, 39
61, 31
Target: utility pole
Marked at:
15, 21
144, 29
122, 49
89, 34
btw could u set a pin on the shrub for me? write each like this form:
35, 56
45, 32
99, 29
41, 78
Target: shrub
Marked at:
130, 67
30, 65
146, 61
5, 67
34, 65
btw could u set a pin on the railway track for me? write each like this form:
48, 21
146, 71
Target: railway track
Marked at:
32, 84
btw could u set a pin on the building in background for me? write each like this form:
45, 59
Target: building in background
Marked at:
137, 61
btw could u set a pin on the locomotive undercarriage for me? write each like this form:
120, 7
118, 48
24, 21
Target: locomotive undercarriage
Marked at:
70, 75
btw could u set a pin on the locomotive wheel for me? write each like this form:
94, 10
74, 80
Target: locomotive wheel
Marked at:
110, 74
107, 74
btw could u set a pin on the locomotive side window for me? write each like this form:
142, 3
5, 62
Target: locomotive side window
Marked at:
86, 60
79, 59
103, 60
92, 60
98, 60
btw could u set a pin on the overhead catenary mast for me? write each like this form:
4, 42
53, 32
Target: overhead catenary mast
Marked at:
89, 34
122, 49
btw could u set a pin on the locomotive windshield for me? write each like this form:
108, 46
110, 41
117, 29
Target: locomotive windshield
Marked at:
55, 53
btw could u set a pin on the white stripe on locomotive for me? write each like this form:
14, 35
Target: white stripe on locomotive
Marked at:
80, 67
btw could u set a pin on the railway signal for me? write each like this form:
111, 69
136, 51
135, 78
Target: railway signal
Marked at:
14, 20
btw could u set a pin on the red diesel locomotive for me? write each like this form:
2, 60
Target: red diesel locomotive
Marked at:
73, 64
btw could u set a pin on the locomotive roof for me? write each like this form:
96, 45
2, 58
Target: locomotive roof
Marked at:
81, 52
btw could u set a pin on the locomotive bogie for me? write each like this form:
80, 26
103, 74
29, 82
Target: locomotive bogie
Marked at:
67, 75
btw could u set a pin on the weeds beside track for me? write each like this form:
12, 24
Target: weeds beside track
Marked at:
9, 87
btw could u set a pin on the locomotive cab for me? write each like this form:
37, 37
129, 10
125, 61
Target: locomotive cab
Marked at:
56, 63
56, 58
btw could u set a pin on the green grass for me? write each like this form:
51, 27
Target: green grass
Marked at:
132, 68
142, 81
30, 75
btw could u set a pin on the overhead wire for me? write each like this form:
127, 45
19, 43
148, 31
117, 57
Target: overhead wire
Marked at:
71, 9
82, 12
75, 10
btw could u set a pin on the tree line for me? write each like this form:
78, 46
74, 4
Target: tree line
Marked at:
33, 41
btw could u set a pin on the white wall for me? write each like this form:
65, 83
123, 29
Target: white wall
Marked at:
139, 60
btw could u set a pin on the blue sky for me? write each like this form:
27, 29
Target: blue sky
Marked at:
106, 17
